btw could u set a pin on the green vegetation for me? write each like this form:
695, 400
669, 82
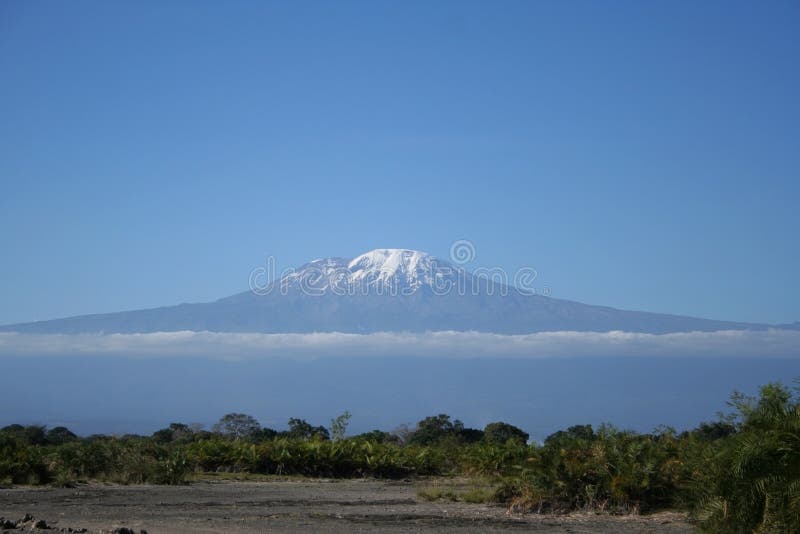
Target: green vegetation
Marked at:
478, 491
738, 474
749, 480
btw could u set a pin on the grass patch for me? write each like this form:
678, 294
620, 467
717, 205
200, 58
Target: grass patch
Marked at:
212, 476
475, 495
437, 494
478, 496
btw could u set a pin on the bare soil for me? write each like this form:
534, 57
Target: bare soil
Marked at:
340, 506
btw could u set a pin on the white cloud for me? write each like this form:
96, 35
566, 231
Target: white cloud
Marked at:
237, 346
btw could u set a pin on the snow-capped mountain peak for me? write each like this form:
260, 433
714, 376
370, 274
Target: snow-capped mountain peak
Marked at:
389, 259
393, 266
401, 269
435, 296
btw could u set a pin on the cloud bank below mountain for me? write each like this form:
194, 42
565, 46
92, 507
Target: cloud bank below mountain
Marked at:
445, 344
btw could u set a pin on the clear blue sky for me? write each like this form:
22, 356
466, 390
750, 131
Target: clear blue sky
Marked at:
644, 155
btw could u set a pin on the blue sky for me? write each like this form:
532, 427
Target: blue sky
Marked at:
644, 155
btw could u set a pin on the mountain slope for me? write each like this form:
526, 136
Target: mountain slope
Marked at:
382, 290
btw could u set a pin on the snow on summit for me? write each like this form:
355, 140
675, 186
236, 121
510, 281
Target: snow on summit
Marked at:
389, 259
384, 267
393, 265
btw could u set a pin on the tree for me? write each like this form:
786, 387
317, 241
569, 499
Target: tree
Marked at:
339, 426
500, 432
379, 436
302, 429
174, 432
574, 435
435, 428
237, 425
711, 431
60, 435
402, 434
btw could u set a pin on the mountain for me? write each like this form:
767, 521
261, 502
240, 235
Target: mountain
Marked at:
383, 290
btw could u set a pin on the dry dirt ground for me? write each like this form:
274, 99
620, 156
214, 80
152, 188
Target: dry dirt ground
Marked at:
341, 506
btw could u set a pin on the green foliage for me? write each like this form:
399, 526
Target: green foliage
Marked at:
339, 426
739, 474
494, 459
436, 494
173, 468
379, 436
502, 432
581, 435
265, 434
302, 429
238, 426
470, 435
712, 431
434, 429
475, 495
29, 435
59, 435
20, 462
752, 478
437, 429
607, 470
176, 432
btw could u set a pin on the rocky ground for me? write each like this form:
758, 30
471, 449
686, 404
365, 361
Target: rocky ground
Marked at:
341, 506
